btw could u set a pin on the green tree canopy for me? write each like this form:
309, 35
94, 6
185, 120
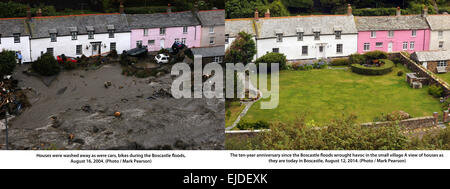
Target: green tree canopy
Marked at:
7, 62
242, 50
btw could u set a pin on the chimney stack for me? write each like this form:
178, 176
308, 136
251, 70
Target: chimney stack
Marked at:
425, 11
399, 12
169, 9
349, 10
39, 12
256, 14
28, 13
267, 14
121, 8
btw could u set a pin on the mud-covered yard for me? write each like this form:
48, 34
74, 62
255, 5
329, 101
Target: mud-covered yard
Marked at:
76, 111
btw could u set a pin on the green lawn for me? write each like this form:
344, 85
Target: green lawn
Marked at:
235, 108
445, 77
327, 94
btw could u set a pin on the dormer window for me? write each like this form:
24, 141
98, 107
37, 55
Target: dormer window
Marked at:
316, 35
279, 37
0, 38
16, 38
414, 33
162, 31
90, 31
74, 35
227, 38
53, 37
373, 34
299, 36
391, 34
111, 30
338, 34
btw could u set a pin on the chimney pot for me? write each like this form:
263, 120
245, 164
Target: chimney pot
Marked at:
425, 11
349, 10
121, 8
256, 14
39, 12
399, 12
267, 14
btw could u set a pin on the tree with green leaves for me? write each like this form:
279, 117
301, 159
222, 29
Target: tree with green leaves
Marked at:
242, 50
299, 5
7, 62
46, 65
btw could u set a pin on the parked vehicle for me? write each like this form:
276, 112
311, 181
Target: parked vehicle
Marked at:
61, 59
138, 51
162, 58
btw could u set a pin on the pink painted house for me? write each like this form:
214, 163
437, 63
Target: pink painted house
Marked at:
393, 33
161, 30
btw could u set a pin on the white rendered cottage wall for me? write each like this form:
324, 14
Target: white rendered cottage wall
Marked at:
435, 39
65, 45
292, 48
7, 43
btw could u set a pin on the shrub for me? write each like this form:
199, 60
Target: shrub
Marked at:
68, 65
7, 62
375, 55
163, 51
340, 62
143, 74
400, 73
124, 60
253, 125
113, 54
356, 59
435, 90
381, 70
273, 58
46, 65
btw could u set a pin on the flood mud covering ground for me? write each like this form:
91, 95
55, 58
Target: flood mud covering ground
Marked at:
77, 111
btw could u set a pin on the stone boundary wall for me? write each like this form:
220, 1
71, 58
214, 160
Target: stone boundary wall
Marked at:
244, 133
412, 123
422, 72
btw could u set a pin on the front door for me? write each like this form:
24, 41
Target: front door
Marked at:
322, 52
162, 41
390, 47
96, 48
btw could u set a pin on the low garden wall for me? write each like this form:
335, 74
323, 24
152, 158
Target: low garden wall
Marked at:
412, 123
244, 133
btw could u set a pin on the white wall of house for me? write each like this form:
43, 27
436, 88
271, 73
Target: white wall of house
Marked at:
65, 45
292, 48
435, 39
7, 43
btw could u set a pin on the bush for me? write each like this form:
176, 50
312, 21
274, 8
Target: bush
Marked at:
340, 62
143, 74
375, 55
163, 51
113, 54
381, 70
253, 125
435, 90
46, 65
68, 65
356, 59
7, 62
273, 58
400, 73
124, 60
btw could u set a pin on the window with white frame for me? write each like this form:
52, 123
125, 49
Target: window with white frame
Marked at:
90, 34
183, 40
316, 35
211, 40
211, 29
111, 33
379, 44
440, 34
414, 33
279, 37
50, 51
53, 37
366, 46
391, 34
74, 35
405, 45
373, 34
442, 63
112, 46
227, 38
299, 36
16, 38
338, 34
145, 32
411, 45
441, 44
151, 42
339, 48
304, 50
139, 43
275, 50
185, 29
218, 59
79, 49
162, 31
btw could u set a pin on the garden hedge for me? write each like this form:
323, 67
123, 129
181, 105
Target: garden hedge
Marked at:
384, 69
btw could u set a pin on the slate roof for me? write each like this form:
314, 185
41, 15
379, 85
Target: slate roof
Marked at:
439, 22
234, 26
406, 22
42, 26
162, 20
9, 26
209, 51
423, 56
212, 17
326, 24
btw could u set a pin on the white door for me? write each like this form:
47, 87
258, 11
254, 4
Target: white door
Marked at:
390, 47
162, 41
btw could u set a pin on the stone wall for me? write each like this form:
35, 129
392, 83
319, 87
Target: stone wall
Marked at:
412, 123
244, 133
